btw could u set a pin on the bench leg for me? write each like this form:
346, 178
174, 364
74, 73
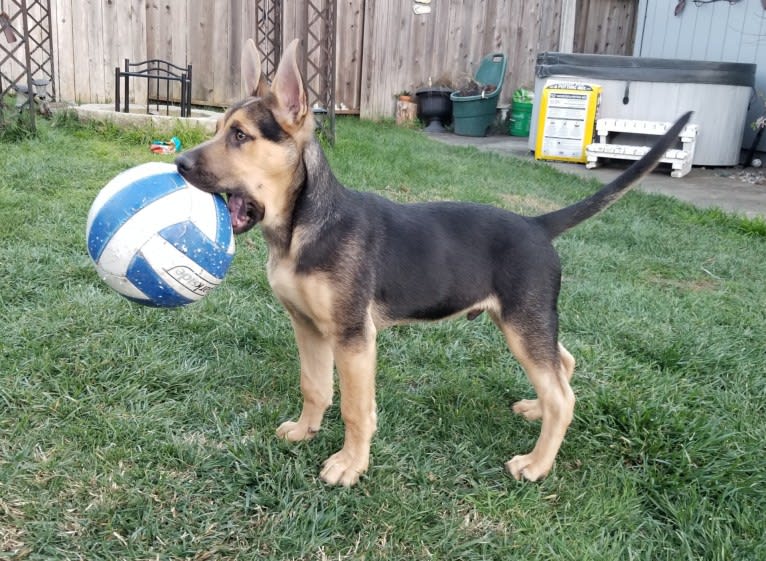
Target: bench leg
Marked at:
681, 168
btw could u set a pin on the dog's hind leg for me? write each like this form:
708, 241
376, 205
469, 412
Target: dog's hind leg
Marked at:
548, 367
530, 409
355, 361
315, 352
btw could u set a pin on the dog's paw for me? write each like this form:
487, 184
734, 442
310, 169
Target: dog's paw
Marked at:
530, 409
525, 466
344, 469
295, 431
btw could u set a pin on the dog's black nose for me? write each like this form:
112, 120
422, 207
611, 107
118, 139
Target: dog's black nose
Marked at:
184, 163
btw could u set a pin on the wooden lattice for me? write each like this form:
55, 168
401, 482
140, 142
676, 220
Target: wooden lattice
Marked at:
321, 17
26, 53
268, 38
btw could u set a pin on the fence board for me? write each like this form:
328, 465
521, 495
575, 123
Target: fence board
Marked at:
90, 38
219, 55
234, 40
348, 70
606, 28
63, 58
200, 25
80, 47
167, 35
123, 34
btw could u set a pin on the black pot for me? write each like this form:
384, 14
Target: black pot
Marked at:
434, 107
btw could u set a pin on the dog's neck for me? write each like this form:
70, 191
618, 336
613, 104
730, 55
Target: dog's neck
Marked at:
320, 185
314, 196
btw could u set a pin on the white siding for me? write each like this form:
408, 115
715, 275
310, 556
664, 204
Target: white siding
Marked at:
717, 32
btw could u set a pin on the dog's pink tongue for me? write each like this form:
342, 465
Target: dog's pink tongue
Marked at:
238, 212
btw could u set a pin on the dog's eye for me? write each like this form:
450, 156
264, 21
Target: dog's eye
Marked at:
238, 136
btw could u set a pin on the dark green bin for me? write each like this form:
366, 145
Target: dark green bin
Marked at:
474, 115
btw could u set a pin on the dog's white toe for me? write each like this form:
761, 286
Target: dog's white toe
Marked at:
529, 409
294, 432
343, 469
525, 466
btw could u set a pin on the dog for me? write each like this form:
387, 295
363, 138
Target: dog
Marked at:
346, 264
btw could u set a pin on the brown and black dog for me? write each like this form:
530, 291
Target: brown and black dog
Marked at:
347, 264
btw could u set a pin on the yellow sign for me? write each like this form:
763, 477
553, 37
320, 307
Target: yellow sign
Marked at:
566, 122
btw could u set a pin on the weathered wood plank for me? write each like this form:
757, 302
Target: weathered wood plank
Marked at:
606, 26
123, 32
219, 57
348, 71
62, 49
80, 48
567, 30
200, 25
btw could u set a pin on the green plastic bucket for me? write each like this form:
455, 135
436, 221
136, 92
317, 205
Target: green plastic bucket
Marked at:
521, 117
473, 117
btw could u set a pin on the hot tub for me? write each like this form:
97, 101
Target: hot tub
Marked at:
653, 89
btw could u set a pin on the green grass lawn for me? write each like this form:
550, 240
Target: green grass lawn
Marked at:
136, 433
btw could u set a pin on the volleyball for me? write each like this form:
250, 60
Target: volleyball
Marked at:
158, 240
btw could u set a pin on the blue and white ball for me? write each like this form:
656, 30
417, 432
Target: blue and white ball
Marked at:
156, 239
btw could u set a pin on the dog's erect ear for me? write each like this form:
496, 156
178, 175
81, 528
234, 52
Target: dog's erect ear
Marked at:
292, 106
253, 81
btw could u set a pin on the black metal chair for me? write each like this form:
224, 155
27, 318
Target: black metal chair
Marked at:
158, 71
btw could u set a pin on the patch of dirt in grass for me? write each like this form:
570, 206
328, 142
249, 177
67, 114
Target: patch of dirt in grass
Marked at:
11, 537
477, 524
527, 204
697, 285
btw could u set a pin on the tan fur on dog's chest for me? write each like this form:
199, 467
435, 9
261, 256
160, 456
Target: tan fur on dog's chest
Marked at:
308, 295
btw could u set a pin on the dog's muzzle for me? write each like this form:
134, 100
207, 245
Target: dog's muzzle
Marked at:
245, 212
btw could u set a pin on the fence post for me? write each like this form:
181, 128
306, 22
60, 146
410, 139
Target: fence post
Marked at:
116, 89
184, 85
127, 87
188, 89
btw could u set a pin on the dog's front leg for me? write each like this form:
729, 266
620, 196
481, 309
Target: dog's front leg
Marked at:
315, 352
356, 372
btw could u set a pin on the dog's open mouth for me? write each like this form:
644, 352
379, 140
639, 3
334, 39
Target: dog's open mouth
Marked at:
244, 211
244, 214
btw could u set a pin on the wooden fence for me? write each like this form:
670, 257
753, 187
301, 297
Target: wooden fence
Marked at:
90, 38
382, 46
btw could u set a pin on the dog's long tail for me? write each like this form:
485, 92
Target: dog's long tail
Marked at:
559, 221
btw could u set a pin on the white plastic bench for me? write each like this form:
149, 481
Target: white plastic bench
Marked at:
680, 159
